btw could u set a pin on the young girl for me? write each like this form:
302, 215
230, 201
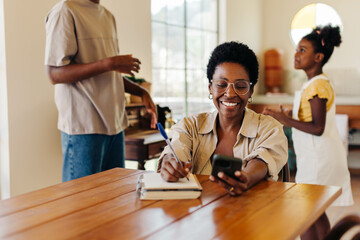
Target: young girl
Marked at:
320, 155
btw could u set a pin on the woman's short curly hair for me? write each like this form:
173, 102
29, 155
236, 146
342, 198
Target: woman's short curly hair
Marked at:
234, 52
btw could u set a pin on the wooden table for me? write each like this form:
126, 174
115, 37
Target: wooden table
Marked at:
105, 206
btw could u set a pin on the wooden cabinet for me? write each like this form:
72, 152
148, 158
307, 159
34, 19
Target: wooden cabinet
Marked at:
143, 145
353, 111
138, 117
141, 142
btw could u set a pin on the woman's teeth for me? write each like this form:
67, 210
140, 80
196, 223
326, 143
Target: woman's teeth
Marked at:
229, 104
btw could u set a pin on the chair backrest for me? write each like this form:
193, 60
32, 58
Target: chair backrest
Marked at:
285, 173
342, 226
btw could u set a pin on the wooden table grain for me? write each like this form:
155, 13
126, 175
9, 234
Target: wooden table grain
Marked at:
105, 206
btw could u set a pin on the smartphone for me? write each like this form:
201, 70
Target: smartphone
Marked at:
225, 164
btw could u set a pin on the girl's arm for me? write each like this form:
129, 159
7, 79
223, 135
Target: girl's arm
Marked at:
315, 127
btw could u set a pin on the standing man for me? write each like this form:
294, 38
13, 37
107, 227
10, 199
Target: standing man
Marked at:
83, 63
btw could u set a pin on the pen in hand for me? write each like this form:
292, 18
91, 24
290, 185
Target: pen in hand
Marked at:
163, 133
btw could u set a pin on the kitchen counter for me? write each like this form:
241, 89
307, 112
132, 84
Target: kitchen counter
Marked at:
349, 105
288, 99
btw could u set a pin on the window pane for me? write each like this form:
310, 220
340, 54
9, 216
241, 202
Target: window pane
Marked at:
175, 84
171, 92
158, 10
210, 14
198, 92
195, 49
158, 45
159, 85
175, 12
326, 14
176, 47
210, 42
310, 16
193, 13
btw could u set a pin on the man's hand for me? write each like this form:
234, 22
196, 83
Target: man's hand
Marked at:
123, 64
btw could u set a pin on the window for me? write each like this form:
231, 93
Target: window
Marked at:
184, 32
316, 14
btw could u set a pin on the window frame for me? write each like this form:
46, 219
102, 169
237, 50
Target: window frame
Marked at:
203, 31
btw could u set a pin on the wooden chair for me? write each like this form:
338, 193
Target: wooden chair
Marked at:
342, 226
284, 174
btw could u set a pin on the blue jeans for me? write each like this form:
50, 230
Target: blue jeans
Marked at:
91, 153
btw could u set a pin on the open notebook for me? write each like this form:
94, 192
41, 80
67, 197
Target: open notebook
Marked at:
151, 187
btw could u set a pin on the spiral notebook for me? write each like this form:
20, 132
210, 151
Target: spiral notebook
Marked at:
151, 186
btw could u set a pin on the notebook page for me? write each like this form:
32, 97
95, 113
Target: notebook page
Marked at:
154, 181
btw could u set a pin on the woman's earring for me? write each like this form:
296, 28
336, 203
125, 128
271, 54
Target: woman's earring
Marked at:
210, 96
250, 100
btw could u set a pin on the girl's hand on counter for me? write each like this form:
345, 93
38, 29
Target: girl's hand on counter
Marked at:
281, 115
287, 111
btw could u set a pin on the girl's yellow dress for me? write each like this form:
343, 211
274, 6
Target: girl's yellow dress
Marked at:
320, 159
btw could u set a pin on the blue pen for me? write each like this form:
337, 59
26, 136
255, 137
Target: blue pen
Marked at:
163, 133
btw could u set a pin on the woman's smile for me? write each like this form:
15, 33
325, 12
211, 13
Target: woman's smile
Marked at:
229, 104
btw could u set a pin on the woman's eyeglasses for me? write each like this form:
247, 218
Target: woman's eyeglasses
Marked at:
240, 87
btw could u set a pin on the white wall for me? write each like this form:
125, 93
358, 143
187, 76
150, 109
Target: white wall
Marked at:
34, 141
344, 64
265, 24
4, 136
34, 150
244, 24
278, 15
133, 20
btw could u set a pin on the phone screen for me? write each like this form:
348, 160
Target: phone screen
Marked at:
225, 164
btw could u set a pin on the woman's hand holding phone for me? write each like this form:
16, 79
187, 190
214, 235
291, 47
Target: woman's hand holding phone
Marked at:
234, 186
227, 173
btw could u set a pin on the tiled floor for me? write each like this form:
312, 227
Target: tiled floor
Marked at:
335, 213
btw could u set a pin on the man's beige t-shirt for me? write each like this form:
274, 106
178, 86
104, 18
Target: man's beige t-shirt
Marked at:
194, 139
77, 32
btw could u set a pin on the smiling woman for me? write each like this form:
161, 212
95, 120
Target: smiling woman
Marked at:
232, 130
